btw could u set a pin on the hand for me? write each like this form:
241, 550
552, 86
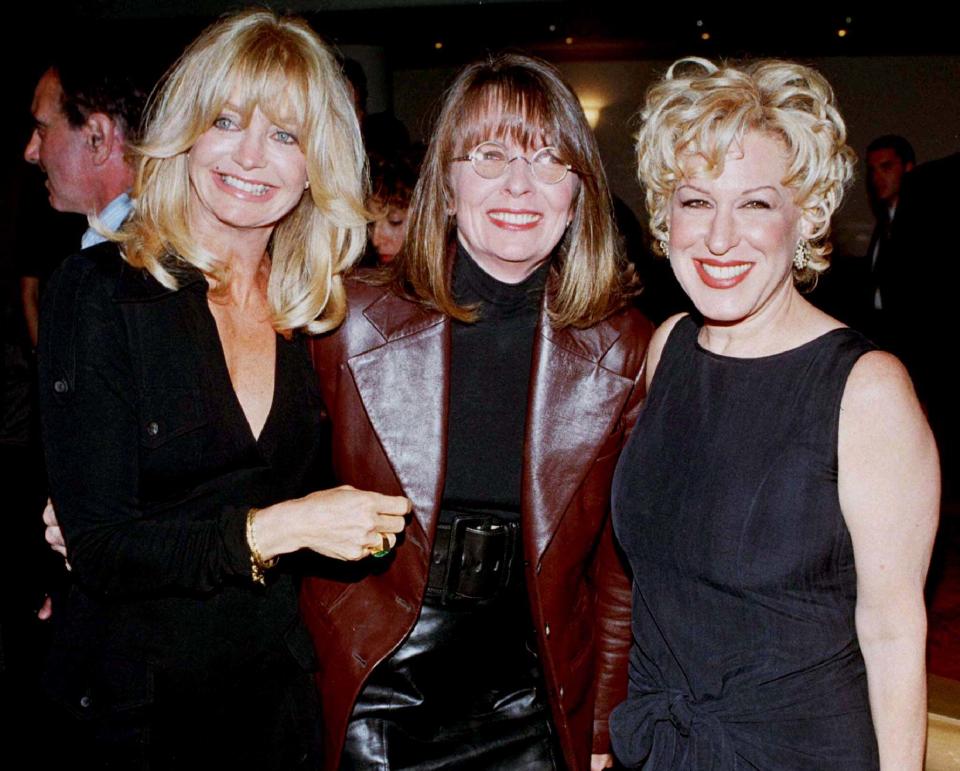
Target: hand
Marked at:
54, 536
600, 762
343, 523
46, 610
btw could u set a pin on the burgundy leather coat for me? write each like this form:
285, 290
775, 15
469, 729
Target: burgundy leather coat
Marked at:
384, 377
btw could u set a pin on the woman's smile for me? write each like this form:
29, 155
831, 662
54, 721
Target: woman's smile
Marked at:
244, 188
512, 219
721, 275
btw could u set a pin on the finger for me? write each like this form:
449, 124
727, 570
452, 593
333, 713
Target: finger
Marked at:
383, 548
49, 515
46, 610
382, 543
54, 537
390, 523
390, 504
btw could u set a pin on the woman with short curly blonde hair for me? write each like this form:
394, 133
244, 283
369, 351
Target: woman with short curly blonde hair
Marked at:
778, 496
702, 109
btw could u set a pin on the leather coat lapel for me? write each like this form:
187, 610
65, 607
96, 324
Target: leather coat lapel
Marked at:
575, 402
404, 388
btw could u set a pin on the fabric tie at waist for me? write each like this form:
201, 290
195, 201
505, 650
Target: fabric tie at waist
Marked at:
666, 729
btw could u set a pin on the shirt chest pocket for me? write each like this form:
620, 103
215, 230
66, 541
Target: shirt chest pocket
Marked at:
173, 438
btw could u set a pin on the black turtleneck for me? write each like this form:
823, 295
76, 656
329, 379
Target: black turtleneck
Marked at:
489, 382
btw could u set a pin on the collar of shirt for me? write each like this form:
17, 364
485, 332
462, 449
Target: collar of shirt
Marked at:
111, 217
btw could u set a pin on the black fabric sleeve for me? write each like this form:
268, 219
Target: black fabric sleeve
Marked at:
89, 399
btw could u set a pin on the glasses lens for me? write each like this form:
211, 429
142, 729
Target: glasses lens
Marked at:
547, 166
490, 160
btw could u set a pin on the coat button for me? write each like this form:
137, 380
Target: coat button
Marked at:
546, 630
561, 691
85, 702
60, 386
153, 428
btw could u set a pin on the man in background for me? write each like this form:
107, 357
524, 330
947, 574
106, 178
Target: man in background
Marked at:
889, 159
86, 111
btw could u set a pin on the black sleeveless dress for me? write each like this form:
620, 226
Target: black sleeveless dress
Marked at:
725, 500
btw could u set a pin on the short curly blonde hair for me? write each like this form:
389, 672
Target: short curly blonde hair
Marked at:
701, 108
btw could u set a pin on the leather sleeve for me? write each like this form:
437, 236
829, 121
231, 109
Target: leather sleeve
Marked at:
614, 605
93, 435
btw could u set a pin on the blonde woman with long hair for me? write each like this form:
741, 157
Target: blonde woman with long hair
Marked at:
182, 422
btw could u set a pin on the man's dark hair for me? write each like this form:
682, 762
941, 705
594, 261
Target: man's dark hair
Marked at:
93, 83
898, 144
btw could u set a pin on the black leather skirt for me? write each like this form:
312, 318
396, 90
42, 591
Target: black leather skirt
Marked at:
464, 690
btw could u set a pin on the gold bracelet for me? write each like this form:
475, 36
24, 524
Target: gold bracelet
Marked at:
258, 565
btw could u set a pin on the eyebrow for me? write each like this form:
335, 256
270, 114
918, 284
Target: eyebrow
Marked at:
744, 192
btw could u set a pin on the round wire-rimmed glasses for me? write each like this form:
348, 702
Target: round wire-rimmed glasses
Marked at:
490, 160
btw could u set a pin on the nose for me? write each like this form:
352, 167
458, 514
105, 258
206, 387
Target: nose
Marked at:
723, 232
250, 150
31, 153
517, 177
379, 236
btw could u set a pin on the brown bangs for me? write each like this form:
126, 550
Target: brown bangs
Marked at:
507, 109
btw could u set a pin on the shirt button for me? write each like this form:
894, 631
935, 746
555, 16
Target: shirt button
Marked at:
561, 691
85, 702
153, 428
546, 630
60, 386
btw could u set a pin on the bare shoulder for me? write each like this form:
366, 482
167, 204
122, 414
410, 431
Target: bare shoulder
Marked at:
880, 386
657, 342
888, 464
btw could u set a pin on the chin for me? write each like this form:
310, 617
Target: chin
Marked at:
721, 310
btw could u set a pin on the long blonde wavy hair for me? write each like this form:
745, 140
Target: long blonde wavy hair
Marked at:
257, 59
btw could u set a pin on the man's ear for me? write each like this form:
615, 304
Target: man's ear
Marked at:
101, 136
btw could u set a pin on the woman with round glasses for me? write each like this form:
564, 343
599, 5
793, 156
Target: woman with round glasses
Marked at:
491, 377
491, 159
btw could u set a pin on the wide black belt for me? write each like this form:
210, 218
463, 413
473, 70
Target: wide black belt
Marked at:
476, 559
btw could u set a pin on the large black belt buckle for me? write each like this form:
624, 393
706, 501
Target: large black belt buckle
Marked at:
479, 560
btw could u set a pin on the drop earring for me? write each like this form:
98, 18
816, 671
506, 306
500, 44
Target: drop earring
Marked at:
801, 255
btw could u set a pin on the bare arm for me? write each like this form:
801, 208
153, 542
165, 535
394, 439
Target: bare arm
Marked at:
343, 523
889, 487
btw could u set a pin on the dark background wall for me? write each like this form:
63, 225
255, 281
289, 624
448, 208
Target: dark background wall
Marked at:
891, 74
